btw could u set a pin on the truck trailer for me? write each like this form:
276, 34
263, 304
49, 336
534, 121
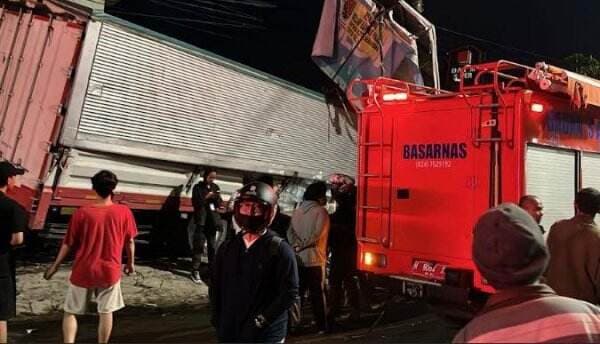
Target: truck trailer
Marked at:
82, 91
431, 162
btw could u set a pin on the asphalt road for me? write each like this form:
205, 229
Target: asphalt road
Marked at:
402, 321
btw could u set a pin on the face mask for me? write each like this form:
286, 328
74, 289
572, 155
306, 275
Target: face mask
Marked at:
252, 216
252, 224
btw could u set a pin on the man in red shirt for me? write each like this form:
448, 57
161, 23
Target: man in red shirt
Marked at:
97, 233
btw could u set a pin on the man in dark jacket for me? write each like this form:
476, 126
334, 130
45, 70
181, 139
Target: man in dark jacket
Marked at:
206, 199
255, 277
13, 222
342, 245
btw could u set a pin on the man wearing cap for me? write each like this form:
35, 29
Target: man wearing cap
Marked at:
510, 253
574, 245
13, 220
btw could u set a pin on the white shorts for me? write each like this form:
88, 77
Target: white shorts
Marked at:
108, 300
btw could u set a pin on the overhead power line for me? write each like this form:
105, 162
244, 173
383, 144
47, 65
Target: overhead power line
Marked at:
229, 18
507, 47
253, 3
218, 8
191, 20
212, 33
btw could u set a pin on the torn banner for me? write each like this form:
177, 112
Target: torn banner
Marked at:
386, 50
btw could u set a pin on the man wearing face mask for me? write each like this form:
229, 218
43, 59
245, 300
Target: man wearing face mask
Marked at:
255, 277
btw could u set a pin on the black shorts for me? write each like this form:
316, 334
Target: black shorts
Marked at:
8, 302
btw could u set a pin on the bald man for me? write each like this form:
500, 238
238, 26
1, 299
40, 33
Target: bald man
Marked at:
534, 207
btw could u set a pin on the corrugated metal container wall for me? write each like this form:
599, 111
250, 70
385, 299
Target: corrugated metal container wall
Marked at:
36, 53
146, 95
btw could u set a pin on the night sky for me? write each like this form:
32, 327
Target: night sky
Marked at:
276, 36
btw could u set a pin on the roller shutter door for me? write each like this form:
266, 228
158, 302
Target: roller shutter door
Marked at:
550, 175
590, 170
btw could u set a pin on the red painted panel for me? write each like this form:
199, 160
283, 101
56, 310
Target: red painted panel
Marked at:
36, 55
39, 218
78, 197
24, 195
435, 162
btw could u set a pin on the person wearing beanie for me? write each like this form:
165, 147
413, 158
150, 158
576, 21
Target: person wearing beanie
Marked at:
510, 253
574, 245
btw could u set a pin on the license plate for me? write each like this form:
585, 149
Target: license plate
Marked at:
430, 270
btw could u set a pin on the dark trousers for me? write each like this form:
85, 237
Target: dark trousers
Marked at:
343, 277
276, 331
200, 237
8, 287
338, 286
312, 279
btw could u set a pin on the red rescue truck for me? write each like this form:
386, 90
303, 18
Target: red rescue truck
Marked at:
431, 162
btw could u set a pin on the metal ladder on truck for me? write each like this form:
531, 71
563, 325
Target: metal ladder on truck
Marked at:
375, 157
491, 103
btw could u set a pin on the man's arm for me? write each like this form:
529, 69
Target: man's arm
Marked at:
16, 239
292, 237
287, 293
217, 195
131, 230
197, 199
68, 242
130, 251
321, 225
19, 225
62, 254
